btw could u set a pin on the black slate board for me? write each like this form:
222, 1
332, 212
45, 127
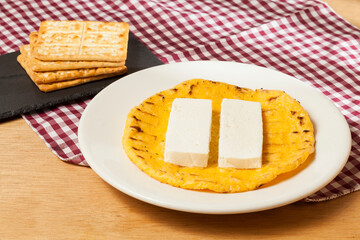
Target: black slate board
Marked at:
19, 95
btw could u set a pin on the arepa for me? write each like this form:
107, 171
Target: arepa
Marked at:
288, 137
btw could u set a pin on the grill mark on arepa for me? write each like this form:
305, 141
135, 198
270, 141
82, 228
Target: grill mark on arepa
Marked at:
140, 130
141, 121
151, 103
301, 119
160, 95
135, 139
145, 112
137, 128
273, 98
191, 88
138, 149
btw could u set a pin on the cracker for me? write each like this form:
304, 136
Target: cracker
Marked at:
64, 75
64, 84
81, 41
71, 83
45, 66
32, 38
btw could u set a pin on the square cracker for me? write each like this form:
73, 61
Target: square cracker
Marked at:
71, 83
81, 41
48, 87
45, 66
63, 75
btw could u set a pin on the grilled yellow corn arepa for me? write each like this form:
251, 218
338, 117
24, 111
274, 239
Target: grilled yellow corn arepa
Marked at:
288, 137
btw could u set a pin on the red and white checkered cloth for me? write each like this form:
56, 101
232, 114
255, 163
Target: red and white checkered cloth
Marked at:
305, 39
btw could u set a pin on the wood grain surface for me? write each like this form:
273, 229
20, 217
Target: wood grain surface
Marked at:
42, 197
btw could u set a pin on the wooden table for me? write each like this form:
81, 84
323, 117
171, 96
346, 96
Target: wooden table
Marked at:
42, 197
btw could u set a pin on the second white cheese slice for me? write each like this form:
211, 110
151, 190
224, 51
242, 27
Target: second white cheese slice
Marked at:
241, 134
188, 132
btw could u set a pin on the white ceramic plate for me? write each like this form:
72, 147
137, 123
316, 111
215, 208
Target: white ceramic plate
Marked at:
102, 124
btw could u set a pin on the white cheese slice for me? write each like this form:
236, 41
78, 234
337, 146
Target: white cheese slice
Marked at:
188, 132
241, 134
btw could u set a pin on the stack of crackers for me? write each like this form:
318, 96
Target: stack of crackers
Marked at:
68, 53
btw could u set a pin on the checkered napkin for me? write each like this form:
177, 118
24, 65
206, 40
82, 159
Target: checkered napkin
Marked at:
305, 39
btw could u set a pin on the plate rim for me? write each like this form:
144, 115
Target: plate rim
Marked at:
140, 197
